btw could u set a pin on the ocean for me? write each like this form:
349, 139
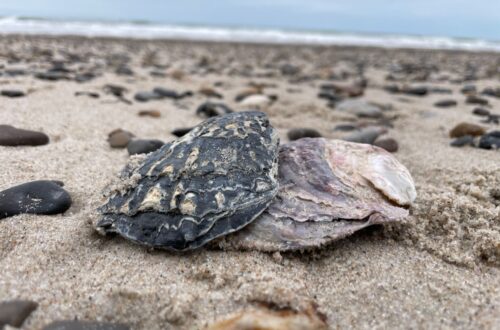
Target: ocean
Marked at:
144, 30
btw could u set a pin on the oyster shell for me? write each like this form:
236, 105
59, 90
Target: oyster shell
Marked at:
213, 181
328, 190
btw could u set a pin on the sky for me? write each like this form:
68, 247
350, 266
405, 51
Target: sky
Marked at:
454, 18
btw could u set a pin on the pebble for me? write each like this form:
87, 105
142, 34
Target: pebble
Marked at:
389, 144
36, 197
299, 133
463, 129
345, 127
11, 136
149, 113
366, 135
210, 92
466, 140
181, 131
446, 103
167, 93
124, 71
12, 93
473, 99
481, 112
360, 108
212, 109
51, 75
330, 96
15, 312
139, 146
248, 92
492, 119
89, 94
415, 91
469, 90
146, 96
260, 102
119, 138
490, 140
85, 325
493, 92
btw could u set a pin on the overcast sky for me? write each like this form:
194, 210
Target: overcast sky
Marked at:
463, 18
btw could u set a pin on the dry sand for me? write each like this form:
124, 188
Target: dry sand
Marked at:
440, 269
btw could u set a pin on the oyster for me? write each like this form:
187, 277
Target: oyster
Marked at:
328, 190
211, 182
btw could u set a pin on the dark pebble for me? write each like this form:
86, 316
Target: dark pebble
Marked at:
51, 75
12, 93
299, 133
119, 138
211, 109
36, 197
89, 94
181, 131
84, 77
115, 90
473, 99
150, 113
494, 92
468, 89
147, 96
481, 112
12, 137
85, 325
124, 71
439, 90
15, 312
345, 127
492, 119
463, 129
466, 140
415, 91
490, 140
136, 147
167, 93
330, 96
389, 144
445, 103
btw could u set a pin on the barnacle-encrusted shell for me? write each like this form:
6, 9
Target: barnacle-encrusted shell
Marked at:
328, 190
211, 182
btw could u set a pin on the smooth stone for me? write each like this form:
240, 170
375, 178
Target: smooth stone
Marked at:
389, 144
15, 312
493, 92
415, 91
492, 119
468, 89
167, 93
473, 99
330, 96
119, 138
345, 127
12, 93
211, 109
439, 90
300, 133
466, 140
51, 75
366, 135
124, 71
115, 90
12, 137
85, 325
258, 101
445, 103
248, 92
136, 147
463, 129
289, 69
89, 94
360, 108
146, 96
481, 112
84, 77
181, 131
490, 141
210, 92
149, 113
36, 197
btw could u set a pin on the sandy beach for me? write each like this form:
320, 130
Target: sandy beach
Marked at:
437, 270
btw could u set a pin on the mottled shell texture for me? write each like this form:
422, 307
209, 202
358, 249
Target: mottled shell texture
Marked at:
213, 181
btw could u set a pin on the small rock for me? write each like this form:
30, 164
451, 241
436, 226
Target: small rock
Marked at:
492, 119
490, 140
51, 75
84, 77
119, 138
150, 113
469, 90
136, 147
415, 91
11, 136
463, 129
146, 96
493, 92
388, 144
210, 92
345, 127
37, 197
330, 96
85, 325
439, 90
260, 102
124, 71
446, 103
473, 99
466, 140
366, 135
12, 93
248, 92
481, 112
15, 312
89, 94
360, 108
167, 93
299, 133
289, 69
211, 109
181, 131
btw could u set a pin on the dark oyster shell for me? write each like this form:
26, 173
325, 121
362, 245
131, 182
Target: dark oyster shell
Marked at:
328, 190
213, 181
